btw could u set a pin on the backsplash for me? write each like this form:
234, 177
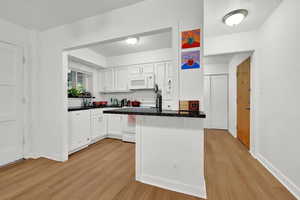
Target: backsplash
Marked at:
74, 102
147, 98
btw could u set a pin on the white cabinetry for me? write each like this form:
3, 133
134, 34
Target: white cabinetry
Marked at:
79, 129
142, 69
129, 128
147, 68
121, 78
135, 70
114, 79
107, 79
114, 126
164, 76
98, 125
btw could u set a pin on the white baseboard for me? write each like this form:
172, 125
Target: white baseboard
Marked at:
111, 136
31, 156
293, 188
198, 191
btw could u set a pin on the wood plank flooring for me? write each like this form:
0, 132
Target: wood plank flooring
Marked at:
105, 171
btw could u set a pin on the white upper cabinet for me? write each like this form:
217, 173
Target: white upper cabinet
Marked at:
147, 68
160, 75
141, 69
164, 76
108, 79
121, 78
169, 69
135, 70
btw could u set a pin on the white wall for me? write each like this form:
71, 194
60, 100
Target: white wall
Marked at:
27, 40
224, 44
233, 64
215, 69
159, 55
279, 111
135, 19
89, 56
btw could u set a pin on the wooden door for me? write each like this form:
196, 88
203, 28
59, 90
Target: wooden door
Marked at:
243, 103
11, 105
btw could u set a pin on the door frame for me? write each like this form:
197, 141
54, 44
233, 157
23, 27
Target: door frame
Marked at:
26, 118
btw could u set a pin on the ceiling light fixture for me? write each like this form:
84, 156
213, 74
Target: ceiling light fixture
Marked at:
132, 40
235, 17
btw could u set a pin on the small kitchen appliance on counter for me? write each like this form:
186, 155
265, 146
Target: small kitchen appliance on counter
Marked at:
135, 103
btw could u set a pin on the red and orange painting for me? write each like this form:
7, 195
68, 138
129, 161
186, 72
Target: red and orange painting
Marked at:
190, 39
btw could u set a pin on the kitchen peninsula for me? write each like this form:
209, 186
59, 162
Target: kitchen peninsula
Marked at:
169, 149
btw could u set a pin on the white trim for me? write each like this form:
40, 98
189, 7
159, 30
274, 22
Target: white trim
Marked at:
175, 186
284, 180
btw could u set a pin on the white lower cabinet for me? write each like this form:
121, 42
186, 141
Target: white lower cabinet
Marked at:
79, 130
114, 126
98, 125
90, 126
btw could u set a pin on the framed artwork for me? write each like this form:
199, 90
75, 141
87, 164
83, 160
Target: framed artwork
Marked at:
190, 39
190, 59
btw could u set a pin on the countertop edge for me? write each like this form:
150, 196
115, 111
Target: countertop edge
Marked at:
162, 114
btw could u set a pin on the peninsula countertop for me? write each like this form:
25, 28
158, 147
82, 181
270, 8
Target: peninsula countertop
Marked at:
155, 112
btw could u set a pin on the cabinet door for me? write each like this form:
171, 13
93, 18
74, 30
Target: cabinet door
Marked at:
98, 127
160, 75
169, 69
147, 68
135, 70
79, 129
108, 79
121, 78
114, 125
169, 81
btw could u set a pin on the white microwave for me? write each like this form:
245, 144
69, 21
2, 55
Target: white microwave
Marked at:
142, 82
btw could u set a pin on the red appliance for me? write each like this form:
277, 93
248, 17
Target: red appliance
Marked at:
135, 103
100, 103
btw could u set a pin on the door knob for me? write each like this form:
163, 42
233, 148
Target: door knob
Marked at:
247, 108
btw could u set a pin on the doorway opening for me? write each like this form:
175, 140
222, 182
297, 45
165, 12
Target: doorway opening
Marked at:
230, 110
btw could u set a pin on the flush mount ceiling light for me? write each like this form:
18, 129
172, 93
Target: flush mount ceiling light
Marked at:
235, 17
132, 40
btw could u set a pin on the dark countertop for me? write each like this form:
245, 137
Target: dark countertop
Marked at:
155, 112
88, 108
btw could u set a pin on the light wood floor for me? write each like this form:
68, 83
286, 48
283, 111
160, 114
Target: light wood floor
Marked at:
105, 171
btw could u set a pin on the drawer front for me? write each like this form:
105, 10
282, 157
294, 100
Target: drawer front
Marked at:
96, 112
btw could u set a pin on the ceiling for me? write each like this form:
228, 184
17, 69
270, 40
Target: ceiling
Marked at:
45, 14
147, 42
259, 10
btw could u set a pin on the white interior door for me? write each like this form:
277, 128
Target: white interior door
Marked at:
219, 102
216, 101
11, 106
